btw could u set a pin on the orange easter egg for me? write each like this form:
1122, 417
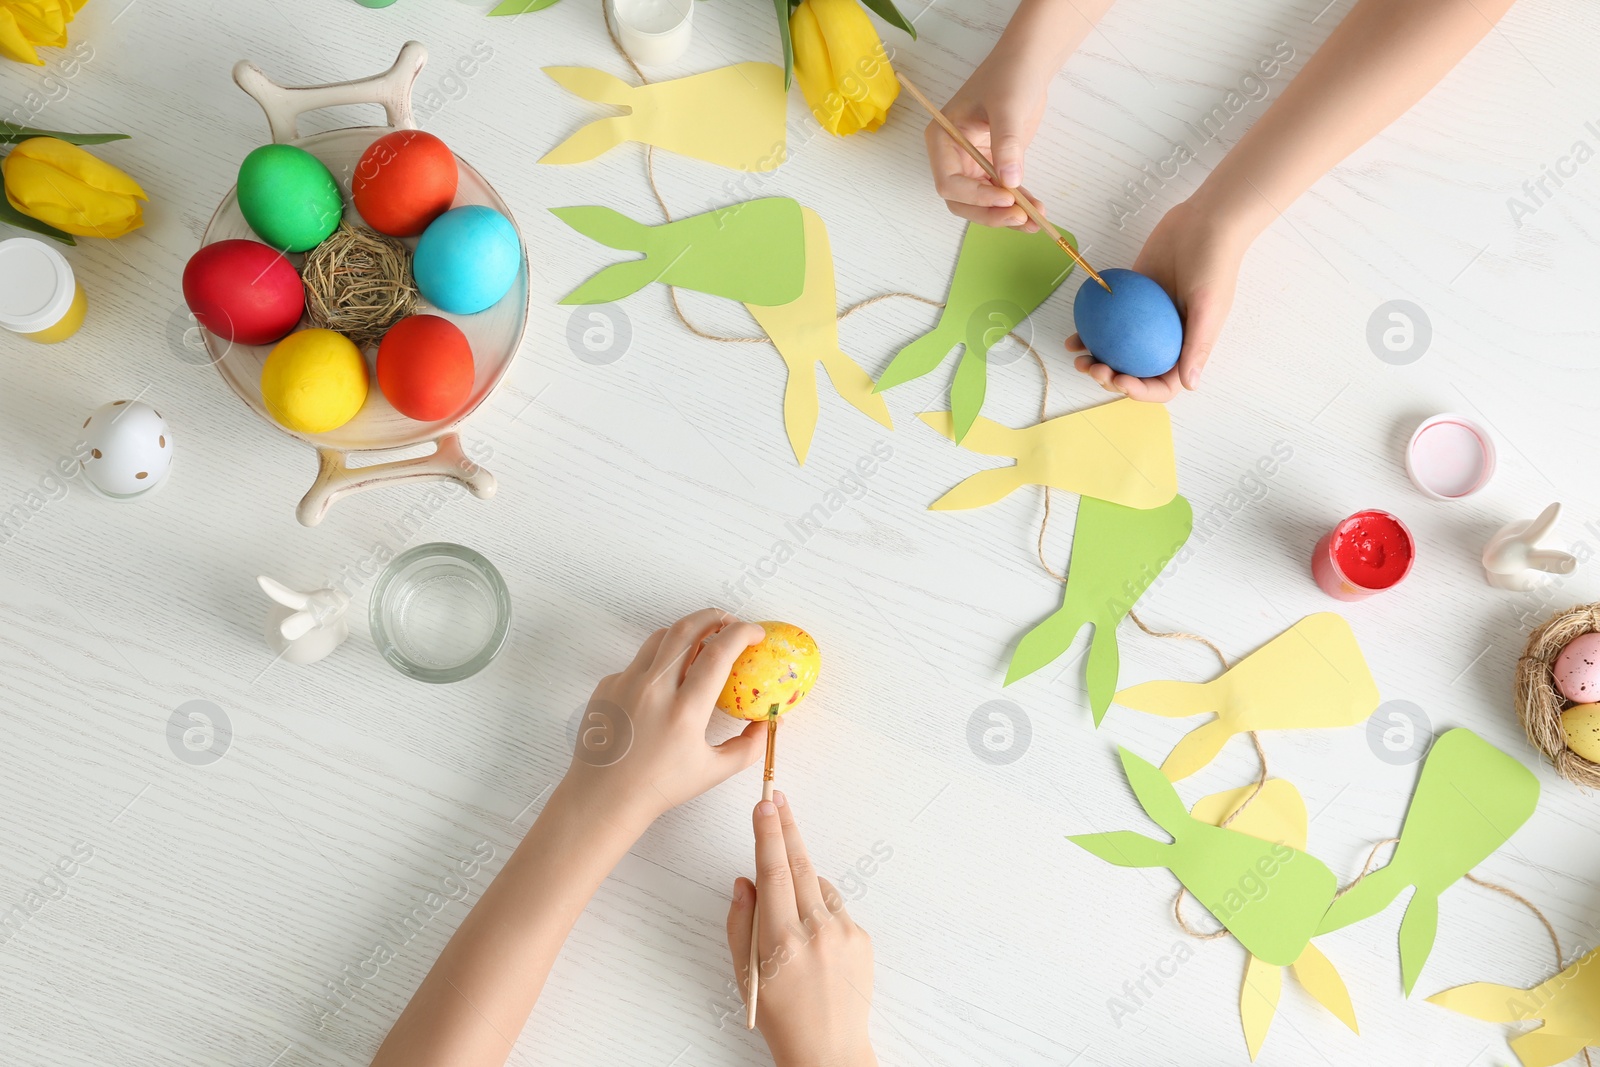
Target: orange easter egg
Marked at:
425, 367
773, 675
404, 181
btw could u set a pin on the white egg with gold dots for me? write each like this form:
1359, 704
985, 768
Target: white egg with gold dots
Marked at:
126, 449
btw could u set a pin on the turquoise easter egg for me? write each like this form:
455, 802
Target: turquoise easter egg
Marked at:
288, 197
1134, 329
467, 259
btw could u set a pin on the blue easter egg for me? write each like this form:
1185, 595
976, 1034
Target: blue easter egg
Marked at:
1134, 329
467, 259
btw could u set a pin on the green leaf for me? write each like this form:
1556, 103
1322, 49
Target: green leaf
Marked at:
522, 7
16, 218
788, 43
11, 133
886, 11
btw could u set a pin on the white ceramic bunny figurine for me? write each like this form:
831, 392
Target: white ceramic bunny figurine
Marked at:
1513, 559
304, 627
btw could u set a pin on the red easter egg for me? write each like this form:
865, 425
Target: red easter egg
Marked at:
404, 181
244, 291
425, 367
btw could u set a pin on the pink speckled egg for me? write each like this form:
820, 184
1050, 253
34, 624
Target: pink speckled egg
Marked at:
1577, 669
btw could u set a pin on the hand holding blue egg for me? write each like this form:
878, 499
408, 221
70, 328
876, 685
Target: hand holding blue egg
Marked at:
467, 259
1134, 329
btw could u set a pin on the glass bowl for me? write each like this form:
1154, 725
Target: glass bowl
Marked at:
440, 612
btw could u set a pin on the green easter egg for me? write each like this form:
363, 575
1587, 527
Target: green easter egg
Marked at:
288, 197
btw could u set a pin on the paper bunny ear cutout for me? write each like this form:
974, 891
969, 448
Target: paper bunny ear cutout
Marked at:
1276, 812
1470, 799
1268, 894
732, 116
1119, 452
806, 332
1117, 552
1567, 1006
1001, 276
753, 252
1311, 675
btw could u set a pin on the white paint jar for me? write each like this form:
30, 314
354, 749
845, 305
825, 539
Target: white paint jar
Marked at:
654, 32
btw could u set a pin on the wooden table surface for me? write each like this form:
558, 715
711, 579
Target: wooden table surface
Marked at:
226, 890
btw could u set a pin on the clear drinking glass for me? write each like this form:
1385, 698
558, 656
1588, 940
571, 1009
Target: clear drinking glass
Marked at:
440, 612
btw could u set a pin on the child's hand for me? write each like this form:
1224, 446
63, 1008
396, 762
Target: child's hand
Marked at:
642, 740
1195, 256
998, 109
816, 965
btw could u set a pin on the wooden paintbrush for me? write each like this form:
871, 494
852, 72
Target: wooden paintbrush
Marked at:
1020, 195
755, 917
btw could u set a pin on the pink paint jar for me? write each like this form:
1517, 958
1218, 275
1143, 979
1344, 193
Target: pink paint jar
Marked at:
1367, 553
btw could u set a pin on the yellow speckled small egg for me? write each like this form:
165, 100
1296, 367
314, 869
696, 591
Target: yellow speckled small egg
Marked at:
773, 675
1581, 724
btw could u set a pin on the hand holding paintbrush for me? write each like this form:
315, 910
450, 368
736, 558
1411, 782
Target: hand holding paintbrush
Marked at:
816, 981
1135, 332
1020, 195
766, 681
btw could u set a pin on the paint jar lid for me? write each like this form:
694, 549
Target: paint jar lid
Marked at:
1450, 457
36, 285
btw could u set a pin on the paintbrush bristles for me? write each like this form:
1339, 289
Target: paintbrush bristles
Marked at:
1018, 194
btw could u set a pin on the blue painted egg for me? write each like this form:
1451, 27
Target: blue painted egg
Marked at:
1134, 329
467, 259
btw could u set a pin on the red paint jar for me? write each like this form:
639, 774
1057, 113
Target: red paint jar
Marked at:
1367, 553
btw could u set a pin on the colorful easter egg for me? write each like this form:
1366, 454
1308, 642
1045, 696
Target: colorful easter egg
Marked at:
773, 675
404, 181
314, 381
127, 449
1134, 329
467, 259
288, 197
425, 367
1577, 669
1581, 724
243, 291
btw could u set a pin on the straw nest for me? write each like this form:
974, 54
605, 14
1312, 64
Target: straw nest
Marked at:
359, 283
1540, 704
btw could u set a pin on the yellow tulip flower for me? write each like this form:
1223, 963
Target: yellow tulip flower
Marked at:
64, 186
25, 24
841, 65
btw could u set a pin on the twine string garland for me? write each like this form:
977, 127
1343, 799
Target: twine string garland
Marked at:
1175, 635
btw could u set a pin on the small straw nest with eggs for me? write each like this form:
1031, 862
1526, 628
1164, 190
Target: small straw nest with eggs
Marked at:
1540, 704
359, 283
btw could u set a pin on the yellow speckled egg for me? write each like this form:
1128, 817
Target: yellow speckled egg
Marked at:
1581, 724
773, 675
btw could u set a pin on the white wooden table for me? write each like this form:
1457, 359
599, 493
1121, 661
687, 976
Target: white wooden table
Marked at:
219, 900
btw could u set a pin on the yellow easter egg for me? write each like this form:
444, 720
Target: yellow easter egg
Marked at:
1581, 724
314, 381
773, 675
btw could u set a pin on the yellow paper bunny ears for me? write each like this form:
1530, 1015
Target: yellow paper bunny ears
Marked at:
1311, 675
732, 116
